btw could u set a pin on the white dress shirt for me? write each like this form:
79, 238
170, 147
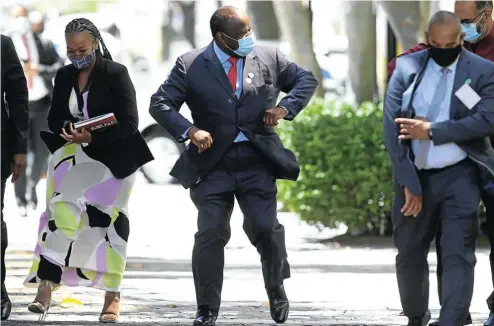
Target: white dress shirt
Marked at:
38, 88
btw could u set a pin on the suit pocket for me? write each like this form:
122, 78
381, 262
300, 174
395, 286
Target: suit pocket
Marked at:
283, 159
269, 92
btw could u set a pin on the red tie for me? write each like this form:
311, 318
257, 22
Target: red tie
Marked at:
232, 73
29, 78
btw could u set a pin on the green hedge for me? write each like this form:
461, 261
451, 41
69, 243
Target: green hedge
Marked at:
345, 171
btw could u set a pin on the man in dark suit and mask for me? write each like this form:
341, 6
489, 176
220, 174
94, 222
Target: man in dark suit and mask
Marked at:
442, 158
477, 24
15, 123
232, 88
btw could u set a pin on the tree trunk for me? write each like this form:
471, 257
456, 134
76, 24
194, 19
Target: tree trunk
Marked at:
404, 18
262, 13
189, 11
434, 7
426, 10
295, 25
167, 33
360, 26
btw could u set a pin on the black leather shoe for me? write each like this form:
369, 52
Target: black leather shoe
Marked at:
435, 322
205, 317
490, 320
278, 304
467, 322
6, 304
420, 321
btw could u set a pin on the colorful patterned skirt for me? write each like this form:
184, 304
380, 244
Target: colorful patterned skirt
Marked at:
84, 231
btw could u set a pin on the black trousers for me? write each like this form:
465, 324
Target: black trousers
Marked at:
242, 174
450, 200
38, 115
488, 201
5, 239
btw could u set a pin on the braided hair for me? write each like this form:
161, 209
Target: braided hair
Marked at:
85, 25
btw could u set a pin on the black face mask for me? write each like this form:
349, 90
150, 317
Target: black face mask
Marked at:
444, 56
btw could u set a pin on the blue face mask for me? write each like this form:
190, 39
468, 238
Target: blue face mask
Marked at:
82, 61
245, 45
471, 32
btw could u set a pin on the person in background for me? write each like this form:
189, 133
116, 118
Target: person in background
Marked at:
477, 24
232, 88
15, 124
37, 20
40, 63
83, 233
441, 158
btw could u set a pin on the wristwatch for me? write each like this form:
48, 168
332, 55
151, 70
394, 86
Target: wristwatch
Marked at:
429, 133
284, 109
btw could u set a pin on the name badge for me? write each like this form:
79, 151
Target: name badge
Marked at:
468, 96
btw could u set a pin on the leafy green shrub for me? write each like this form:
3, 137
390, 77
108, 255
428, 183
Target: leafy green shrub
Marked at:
345, 173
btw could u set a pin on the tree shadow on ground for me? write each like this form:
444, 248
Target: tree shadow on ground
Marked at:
374, 242
155, 268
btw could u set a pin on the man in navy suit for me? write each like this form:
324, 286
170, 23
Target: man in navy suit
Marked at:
436, 134
231, 88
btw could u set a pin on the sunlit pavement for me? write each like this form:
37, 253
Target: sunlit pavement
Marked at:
328, 286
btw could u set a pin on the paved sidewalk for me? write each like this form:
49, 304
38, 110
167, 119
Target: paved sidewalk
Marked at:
329, 285
155, 298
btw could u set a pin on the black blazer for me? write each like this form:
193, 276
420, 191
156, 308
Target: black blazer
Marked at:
14, 105
120, 147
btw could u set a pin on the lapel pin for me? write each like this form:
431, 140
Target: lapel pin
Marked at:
468, 81
250, 75
248, 80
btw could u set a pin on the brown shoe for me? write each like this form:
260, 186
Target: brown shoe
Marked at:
111, 308
42, 301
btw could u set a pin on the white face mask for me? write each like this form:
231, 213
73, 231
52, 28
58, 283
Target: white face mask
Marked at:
21, 25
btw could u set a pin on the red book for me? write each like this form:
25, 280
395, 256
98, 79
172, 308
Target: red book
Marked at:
97, 123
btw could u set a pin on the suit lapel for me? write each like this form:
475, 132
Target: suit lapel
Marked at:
250, 72
214, 66
94, 79
461, 76
412, 83
41, 50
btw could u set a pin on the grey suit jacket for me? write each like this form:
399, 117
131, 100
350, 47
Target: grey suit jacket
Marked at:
469, 129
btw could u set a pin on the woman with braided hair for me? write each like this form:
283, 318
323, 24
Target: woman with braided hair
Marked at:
83, 233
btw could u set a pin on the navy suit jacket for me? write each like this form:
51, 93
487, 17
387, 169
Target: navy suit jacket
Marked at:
469, 129
199, 80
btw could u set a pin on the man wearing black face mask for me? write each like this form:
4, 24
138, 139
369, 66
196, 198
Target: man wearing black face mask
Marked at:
477, 24
232, 88
438, 145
